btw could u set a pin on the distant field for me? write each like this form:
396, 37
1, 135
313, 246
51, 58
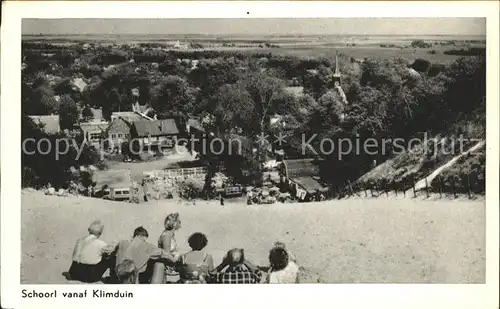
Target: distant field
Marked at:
300, 46
354, 52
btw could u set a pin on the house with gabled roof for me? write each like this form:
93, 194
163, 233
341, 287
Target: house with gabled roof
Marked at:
155, 133
302, 177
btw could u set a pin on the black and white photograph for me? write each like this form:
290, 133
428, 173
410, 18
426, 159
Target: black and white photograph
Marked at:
251, 151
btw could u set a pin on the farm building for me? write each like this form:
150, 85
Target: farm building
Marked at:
156, 132
94, 132
118, 132
301, 177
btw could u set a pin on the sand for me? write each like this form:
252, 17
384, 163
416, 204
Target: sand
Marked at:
348, 241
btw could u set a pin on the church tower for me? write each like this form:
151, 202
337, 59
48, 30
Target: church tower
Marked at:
337, 79
336, 75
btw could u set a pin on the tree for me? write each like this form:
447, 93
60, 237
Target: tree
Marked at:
87, 113
38, 100
63, 87
317, 83
232, 108
68, 112
40, 169
265, 93
209, 75
173, 94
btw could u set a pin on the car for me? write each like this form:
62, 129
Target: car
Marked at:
117, 194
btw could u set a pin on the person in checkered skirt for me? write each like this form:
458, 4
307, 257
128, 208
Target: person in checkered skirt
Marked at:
235, 269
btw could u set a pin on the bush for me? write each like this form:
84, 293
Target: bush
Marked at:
420, 44
191, 188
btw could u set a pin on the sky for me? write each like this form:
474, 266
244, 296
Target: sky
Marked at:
309, 26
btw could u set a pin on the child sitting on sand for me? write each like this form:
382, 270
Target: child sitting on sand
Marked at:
281, 245
127, 272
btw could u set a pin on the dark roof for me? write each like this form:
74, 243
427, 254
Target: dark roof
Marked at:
128, 116
93, 126
309, 184
300, 168
119, 125
145, 128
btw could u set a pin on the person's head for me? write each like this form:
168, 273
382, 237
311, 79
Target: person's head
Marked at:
197, 241
279, 244
235, 257
126, 272
172, 222
96, 228
141, 233
278, 258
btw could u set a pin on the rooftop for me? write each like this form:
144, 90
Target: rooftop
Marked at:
146, 128
300, 168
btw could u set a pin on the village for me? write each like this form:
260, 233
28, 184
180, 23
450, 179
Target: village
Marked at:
358, 159
283, 180
139, 114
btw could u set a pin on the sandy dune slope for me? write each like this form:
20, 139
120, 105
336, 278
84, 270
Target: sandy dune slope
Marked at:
348, 241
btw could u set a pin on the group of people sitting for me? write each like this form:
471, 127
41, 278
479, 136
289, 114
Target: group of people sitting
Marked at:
139, 261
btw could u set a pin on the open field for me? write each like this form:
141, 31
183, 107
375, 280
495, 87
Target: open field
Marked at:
346, 241
356, 52
358, 47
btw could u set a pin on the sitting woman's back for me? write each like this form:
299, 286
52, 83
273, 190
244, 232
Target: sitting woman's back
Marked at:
196, 264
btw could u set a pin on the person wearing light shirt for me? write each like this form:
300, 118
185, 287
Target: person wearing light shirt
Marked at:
90, 256
283, 270
143, 254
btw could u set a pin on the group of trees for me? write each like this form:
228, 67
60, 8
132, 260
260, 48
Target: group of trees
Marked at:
42, 164
240, 93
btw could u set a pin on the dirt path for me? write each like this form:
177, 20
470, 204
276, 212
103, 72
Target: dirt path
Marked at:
421, 184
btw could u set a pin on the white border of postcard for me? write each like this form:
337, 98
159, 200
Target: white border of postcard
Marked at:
289, 296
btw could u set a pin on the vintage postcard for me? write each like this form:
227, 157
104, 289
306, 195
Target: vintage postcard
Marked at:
309, 145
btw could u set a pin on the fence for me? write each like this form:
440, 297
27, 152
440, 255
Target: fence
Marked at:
177, 172
472, 186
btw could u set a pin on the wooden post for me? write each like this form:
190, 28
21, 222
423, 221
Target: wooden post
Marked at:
364, 188
440, 186
395, 188
413, 186
350, 187
386, 189
453, 188
468, 186
376, 189
426, 187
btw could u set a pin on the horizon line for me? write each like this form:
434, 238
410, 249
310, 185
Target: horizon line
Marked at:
248, 34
